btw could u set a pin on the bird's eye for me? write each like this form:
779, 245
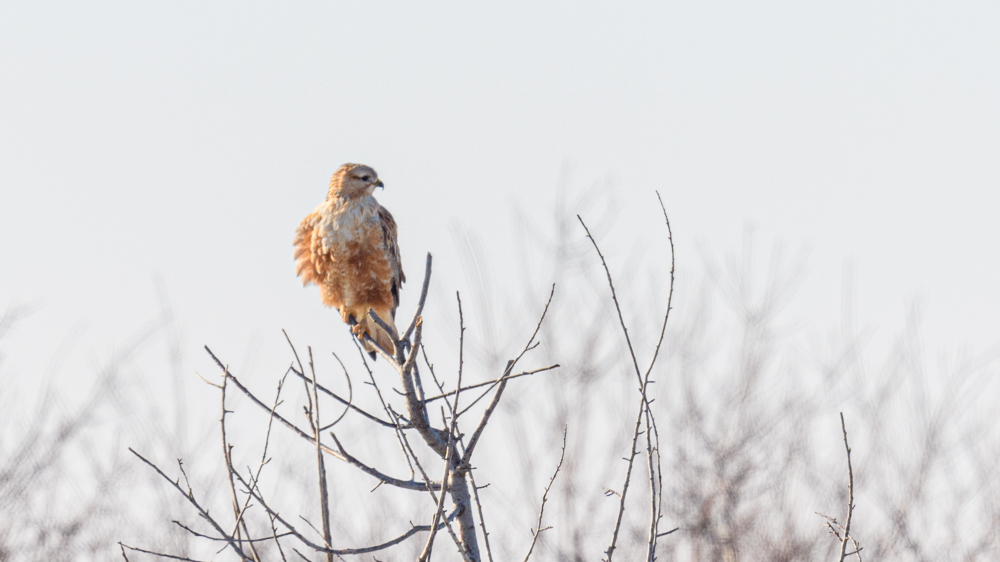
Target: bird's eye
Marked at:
365, 178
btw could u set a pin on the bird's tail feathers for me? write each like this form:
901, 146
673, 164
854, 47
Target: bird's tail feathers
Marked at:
384, 340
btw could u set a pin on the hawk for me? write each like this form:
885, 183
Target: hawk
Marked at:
347, 247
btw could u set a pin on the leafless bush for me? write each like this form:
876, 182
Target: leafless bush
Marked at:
65, 489
750, 446
258, 523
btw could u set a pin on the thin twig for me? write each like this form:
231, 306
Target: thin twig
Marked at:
350, 395
541, 510
614, 297
434, 497
404, 484
420, 303
491, 384
450, 450
644, 406
474, 440
191, 499
343, 401
324, 498
482, 520
217, 539
160, 554
238, 522
850, 496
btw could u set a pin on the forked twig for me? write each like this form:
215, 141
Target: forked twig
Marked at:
645, 410
191, 499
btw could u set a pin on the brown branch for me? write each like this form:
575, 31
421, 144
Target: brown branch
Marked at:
450, 449
482, 520
191, 499
350, 394
491, 383
418, 418
277, 543
267, 436
474, 440
342, 551
420, 303
252, 490
413, 530
670, 294
381, 324
348, 403
467, 457
405, 484
160, 554
217, 539
434, 497
238, 522
545, 496
644, 406
397, 428
850, 497
385, 478
324, 497
614, 297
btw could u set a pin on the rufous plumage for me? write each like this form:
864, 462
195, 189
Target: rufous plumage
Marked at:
348, 248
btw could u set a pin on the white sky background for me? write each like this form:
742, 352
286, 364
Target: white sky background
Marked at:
186, 141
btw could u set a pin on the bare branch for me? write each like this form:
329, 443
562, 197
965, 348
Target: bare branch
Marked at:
342, 551
381, 324
434, 497
482, 520
670, 294
541, 510
405, 484
644, 406
850, 497
474, 440
450, 449
614, 297
191, 499
324, 498
491, 384
238, 522
420, 303
160, 554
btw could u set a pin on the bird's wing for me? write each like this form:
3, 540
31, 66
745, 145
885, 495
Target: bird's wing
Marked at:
308, 254
392, 251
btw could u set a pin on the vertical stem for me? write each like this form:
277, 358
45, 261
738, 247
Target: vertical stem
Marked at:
320, 465
850, 493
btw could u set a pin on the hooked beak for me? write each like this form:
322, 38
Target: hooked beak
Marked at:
379, 184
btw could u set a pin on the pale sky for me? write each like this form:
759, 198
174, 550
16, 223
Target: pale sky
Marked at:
184, 142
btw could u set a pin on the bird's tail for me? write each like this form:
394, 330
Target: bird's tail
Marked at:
384, 340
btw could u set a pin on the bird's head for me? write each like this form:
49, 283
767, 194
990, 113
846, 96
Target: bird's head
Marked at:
354, 180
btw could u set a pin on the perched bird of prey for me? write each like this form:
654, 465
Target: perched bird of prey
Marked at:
347, 247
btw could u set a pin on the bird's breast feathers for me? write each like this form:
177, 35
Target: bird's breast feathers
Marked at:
347, 223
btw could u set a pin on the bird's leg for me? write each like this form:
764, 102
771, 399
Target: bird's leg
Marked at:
356, 328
